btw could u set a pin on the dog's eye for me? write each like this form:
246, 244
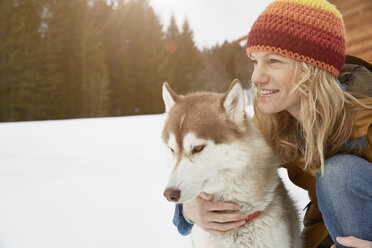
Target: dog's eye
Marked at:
170, 148
197, 149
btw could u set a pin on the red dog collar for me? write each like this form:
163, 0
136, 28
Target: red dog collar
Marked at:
249, 217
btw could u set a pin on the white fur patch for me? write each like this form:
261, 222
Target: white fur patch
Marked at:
172, 143
181, 122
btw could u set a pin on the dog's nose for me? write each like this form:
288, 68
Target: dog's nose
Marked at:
172, 194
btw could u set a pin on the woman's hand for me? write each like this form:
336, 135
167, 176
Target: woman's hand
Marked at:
354, 242
215, 217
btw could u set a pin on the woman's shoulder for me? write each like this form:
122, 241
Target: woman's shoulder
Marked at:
362, 119
356, 74
349, 59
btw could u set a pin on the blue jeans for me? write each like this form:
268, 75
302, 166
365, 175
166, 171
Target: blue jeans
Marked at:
345, 196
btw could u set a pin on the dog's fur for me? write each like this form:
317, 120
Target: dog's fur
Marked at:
215, 148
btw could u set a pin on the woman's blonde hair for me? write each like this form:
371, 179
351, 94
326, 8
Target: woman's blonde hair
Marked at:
324, 125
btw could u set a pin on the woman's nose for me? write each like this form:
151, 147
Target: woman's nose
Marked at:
259, 75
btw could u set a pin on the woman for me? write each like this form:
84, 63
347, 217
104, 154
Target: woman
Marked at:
313, 121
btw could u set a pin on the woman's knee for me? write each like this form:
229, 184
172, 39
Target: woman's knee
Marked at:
337, 171
341, 173
344, 195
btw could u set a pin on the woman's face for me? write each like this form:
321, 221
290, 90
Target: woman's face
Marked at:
272, 76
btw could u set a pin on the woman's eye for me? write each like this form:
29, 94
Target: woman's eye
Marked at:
197, 149
254, 62
273, 61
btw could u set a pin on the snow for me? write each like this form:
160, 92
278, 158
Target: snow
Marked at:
88, 183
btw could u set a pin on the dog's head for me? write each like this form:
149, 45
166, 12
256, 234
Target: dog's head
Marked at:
202, 133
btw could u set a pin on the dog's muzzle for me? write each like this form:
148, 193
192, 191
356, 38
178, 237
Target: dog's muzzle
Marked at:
172, 194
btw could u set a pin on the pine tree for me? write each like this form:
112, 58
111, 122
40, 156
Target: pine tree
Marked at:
76, 59
189, 58
213, 75
115, 44
183, 61
61, 48
134, 54
171, 46
84, 58
243, 67
235, 61
6, 87
94, 74
19, 58
154, 54
173, 32
222, 64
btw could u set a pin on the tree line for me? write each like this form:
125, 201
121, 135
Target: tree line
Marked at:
94, 58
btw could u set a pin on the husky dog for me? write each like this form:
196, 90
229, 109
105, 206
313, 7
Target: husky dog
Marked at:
215, 148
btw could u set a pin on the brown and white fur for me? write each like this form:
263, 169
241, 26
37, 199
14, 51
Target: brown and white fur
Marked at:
215, 148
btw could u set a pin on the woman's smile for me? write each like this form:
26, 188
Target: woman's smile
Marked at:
267, 93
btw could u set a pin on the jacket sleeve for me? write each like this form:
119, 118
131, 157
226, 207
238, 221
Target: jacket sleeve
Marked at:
183, 225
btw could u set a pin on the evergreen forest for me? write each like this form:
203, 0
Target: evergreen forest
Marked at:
63, 59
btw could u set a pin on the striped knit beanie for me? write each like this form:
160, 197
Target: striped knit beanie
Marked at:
307, 30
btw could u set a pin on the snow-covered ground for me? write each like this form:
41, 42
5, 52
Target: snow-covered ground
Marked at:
94, 183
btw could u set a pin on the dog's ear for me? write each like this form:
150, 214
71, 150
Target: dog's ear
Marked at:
169, 97
233, 102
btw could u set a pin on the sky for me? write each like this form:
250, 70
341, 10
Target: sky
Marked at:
213, 21
94, 183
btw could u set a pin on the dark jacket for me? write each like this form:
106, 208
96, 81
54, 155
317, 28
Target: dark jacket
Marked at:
357, 76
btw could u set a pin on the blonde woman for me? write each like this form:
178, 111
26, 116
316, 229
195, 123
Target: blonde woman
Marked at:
319, 125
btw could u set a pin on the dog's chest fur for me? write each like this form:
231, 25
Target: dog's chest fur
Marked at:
277, 226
